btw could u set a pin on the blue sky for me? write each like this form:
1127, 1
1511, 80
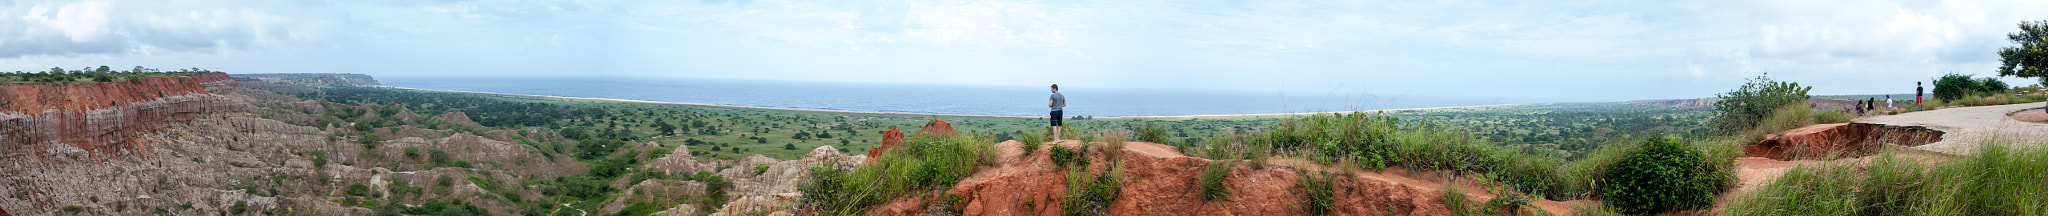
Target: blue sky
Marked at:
1563, 50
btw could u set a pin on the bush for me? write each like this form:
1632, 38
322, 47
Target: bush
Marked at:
357, 189
1211, 184
1741, 109
1033, 140
1153, 133
1831, 117
1988, 85
1063, 156
1661, 176
923, 163
1951, 87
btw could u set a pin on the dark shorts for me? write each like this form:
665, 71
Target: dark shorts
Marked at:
1056, 118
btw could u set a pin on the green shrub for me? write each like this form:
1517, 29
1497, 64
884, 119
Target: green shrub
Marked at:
1063, 156
1661, 176
1154, 133
357, 189
1211, 184
1091, 194
1454, 200
1952, 87
1033, 140
1318, 193
239, 207
1988, 85
924, 163
1743, 108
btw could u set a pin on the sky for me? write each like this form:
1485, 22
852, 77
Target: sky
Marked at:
1551, 50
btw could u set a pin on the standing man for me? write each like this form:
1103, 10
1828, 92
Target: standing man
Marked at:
1887, 101
1058, 101
1917, 89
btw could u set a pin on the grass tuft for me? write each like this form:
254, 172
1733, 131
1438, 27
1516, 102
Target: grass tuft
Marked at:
1211, 184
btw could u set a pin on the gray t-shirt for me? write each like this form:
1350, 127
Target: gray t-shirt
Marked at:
1058, 101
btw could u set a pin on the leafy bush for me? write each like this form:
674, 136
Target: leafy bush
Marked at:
925, 162
1033, 140
1951, 87
1063, 156
1211, 184
1661, 176
1991, 85
1741, 109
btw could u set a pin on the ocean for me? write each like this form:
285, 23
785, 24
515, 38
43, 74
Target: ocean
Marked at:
937, 98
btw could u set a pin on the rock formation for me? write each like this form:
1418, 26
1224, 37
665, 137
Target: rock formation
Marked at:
890, 139
938, 127
1840, 139
100, 118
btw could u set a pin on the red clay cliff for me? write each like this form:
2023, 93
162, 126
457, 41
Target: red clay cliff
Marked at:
100, 117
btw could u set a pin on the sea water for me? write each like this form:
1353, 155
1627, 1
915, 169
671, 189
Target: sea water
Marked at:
939, 98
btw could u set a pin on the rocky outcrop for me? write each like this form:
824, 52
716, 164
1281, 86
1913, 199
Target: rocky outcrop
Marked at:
937, 127
654, 190
100, 118
1836, 140
775, 189
890, 139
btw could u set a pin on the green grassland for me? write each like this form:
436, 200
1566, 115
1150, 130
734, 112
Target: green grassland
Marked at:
733, 132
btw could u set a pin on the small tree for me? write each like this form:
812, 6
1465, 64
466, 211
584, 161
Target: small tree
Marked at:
1954, 86
2030, 58
1741, 109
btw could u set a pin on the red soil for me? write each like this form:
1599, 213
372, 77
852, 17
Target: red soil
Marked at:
1841, 139
1161, 181
99, 117
890, 139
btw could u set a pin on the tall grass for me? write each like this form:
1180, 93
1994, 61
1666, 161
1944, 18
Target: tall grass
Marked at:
1090, 193
1319, 192
1377, 141
927, 162
1997, 180
1211, 184
1113, 143
1153, 133
1033, 140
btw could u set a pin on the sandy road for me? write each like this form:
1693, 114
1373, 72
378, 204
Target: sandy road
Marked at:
1966, 127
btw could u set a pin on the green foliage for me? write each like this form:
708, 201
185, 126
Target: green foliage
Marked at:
1318, 193
369, 140
101, 74
239, 207
1378, 141
357, 189
1064, 157
444, 209
1662, 175
923, 163
1091, 194
608, 168
1152, 133
1031, 142
72, 209
2030, 57
715, 188
1951, 87
1741, 109
584, 186
640, 209
1211, 184
1455, 200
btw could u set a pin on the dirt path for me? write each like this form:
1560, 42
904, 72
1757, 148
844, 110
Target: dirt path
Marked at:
1965, 127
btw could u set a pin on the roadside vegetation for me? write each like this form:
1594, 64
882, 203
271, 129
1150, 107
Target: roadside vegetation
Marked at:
1998, 179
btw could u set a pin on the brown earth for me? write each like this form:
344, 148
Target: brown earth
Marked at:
32, 98
890, 138
937, 127
2031, 115
1841, 139
1161, 181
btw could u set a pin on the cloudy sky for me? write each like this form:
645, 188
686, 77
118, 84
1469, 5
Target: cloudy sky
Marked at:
1565, 50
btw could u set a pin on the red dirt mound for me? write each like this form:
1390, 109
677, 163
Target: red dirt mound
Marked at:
937, 127
1841, 139
101, 118
1160, 180
890, 139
